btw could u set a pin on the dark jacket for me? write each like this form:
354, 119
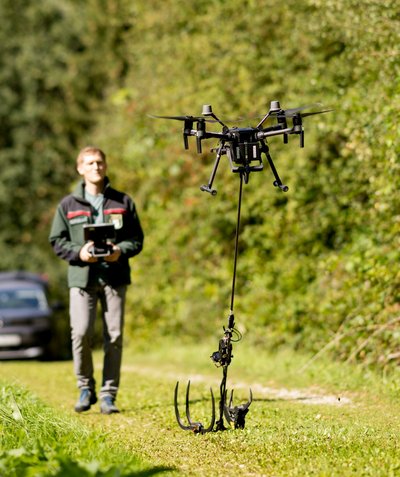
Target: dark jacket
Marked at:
67, 239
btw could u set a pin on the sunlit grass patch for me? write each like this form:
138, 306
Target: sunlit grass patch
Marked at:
292, 428
36, 440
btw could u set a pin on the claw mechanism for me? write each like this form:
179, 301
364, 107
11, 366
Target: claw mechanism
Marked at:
236, 415
194, 426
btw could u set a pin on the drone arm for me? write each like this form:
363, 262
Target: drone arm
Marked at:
203, 134
274, 131
263, 119
222, 136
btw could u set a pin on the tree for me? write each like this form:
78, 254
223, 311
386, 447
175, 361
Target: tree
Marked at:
58, 61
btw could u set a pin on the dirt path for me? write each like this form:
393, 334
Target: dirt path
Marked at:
260, 391
46, 379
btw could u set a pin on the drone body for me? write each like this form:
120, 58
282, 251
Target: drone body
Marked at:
244, 146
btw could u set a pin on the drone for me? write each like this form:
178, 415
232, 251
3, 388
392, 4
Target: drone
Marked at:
244, 146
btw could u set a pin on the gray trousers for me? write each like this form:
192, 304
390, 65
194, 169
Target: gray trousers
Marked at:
83, 313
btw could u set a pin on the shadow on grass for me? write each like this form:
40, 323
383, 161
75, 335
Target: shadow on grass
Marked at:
149, 472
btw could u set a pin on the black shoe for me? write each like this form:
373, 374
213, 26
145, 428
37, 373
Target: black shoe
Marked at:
85, 401
107, 405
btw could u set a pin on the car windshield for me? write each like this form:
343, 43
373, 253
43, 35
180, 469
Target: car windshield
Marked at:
32, 298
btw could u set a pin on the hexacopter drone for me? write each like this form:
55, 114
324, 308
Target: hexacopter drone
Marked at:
244, 147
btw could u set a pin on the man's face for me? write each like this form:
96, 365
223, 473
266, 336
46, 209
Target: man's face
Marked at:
93, 169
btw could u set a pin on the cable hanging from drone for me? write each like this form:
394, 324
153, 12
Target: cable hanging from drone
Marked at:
244, 148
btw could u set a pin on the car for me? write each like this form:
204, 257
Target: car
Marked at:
25, 315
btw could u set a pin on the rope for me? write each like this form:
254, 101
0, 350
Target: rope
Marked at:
236, 243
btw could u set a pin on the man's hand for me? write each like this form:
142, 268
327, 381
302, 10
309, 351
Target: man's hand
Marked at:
114, 256
85, 254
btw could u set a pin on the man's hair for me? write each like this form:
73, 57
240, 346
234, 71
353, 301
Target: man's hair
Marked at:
89, 150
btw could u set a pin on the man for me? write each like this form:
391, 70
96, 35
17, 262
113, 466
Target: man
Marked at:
91, 278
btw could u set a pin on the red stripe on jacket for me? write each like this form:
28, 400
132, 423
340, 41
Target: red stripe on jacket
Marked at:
77, 213
114, 211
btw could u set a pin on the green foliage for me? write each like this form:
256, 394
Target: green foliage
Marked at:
317, 265
57, 59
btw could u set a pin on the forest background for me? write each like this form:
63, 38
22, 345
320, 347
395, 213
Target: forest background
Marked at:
318, 266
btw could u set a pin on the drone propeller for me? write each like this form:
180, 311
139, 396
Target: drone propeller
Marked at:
283, 114
312, 113
289, 112
184, 118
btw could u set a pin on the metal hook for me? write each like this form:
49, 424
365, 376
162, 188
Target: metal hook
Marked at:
196, 427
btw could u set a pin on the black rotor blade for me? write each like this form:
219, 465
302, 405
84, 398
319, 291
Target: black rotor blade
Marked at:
316, 112
183, 118
289, 112
286, 112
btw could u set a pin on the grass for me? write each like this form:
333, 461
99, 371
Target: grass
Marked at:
38, 440
308, 418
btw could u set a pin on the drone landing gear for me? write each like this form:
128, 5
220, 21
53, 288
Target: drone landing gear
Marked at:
277, 182
244, 167
208, 188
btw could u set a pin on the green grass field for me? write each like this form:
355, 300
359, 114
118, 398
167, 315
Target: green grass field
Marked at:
308, 418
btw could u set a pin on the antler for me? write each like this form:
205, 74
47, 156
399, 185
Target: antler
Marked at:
235, 415
196, 427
